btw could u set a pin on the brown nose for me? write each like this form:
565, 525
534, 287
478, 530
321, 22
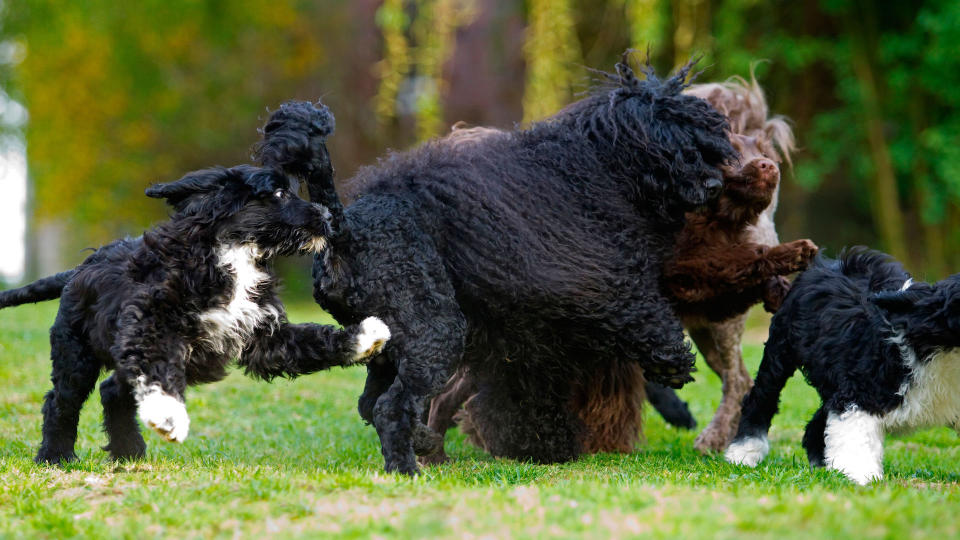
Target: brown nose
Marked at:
762, 169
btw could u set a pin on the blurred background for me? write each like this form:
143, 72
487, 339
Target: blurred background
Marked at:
99, 99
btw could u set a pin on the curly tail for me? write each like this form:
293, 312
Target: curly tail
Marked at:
750, 445
47, 288
294, 141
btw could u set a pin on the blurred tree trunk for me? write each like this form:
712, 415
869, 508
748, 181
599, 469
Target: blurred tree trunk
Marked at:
885, 204
934, 260
552, 54
691, 29
647, 24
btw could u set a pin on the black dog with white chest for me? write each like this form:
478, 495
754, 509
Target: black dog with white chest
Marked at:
177, 305
882, 351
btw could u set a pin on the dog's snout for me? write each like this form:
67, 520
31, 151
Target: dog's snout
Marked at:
713, 186
762, 169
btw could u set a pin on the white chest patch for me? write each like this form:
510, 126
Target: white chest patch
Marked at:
229, 327
931, 397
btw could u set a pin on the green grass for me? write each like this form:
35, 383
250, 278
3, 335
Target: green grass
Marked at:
293, 459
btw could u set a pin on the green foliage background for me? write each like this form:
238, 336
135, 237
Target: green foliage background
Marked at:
123, 95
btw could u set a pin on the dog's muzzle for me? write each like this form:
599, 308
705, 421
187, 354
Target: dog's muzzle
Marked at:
315, 245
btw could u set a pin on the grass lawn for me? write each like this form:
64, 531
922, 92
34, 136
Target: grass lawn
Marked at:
293, 459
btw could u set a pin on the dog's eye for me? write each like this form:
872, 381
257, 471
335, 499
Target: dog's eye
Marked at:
281, 194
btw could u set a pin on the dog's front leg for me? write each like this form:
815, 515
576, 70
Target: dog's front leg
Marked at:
152, 361
300, 349
425, 350
790, 257
653, 337
853, 444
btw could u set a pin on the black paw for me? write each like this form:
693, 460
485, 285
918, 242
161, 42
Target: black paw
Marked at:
53, 457
294, 136
127, 452
407, 467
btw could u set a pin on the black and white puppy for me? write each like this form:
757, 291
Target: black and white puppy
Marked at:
177, 305
882, 351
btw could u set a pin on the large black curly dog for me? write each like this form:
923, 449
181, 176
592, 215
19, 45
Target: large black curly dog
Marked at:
530, 256
175, 306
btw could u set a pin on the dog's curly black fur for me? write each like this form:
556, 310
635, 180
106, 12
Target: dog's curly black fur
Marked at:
175, 306
880, 350
530, 256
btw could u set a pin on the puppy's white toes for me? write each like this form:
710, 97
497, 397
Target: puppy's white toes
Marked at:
165, 414
373, 335
749, 451
859, 469
863, 476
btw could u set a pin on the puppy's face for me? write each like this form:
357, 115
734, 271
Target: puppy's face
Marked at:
753, 179
276, 220
249, 205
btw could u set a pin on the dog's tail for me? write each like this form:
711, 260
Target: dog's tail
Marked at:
294, 141
48, 288
750, 445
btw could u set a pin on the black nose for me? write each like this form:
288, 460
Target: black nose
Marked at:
713, 187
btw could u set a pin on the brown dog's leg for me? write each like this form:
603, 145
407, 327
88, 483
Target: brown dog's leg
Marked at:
720, 345
791, 257
443, 408
610, 404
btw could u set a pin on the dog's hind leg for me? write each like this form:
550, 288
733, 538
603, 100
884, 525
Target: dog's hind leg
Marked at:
444, 407
813, 438
521, 414
74, 375
124, 440
720, 345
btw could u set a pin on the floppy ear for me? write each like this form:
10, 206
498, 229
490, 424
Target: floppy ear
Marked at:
195, 183
903, 300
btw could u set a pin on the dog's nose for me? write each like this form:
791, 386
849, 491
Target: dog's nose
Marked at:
714, 187
766, 169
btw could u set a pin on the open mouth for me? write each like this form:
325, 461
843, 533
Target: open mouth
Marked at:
314, 245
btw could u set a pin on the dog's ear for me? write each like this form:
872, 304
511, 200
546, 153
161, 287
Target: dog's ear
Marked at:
904, 299
179, 193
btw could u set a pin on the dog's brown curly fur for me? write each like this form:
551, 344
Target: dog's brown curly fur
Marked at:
727, 259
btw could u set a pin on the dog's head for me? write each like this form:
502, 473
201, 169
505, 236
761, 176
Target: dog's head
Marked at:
749, 183
745, 106
247, 205
929, 314
670, 147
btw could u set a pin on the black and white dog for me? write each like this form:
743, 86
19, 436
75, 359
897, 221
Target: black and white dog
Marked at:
882, 351
175, 306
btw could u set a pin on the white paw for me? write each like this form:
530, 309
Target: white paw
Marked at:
164, 413
749, 451
861, 473
373, 335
